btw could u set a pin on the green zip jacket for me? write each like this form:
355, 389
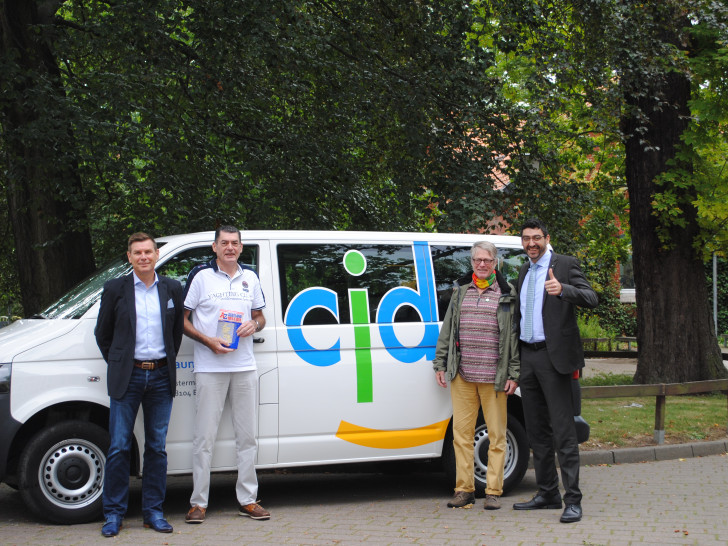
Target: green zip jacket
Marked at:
447, 352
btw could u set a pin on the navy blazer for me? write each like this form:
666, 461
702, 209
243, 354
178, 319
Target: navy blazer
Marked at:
563, 341
116, 329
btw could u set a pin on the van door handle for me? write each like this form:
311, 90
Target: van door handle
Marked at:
258, 340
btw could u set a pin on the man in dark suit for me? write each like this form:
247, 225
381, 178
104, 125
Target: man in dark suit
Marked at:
139, 331
550, 285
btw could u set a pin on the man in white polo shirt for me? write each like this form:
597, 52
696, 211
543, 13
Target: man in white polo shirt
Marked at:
223, 307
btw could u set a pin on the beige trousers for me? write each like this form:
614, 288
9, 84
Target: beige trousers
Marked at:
467, 398
212, 390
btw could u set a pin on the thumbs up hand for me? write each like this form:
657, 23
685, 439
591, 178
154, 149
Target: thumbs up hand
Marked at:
552, 285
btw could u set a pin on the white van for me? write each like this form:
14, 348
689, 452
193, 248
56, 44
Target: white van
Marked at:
344, 364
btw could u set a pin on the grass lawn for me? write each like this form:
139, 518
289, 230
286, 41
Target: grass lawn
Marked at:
630, 422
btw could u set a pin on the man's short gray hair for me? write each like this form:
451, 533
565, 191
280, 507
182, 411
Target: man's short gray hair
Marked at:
487, 246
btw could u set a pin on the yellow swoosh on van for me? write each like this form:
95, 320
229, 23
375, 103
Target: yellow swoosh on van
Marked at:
391, 439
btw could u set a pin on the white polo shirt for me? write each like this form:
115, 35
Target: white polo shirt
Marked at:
210, 290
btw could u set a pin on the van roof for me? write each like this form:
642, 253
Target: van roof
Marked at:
349, 236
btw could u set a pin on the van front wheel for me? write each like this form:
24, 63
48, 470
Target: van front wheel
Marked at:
61, 472
516, 463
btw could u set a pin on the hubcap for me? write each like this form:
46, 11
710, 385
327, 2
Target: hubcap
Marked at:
72, 473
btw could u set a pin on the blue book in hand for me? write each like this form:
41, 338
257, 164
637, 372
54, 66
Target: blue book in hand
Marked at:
227, 327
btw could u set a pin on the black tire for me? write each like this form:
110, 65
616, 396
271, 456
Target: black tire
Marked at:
517, 451
61, 472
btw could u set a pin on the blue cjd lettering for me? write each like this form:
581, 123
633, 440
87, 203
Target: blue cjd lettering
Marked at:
301, 304
421, 300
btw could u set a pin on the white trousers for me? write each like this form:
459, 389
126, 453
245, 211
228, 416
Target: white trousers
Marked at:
212, 390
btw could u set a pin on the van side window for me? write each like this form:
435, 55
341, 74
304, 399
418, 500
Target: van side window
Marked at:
180, 265
303, 266
450, 263
453, 262
510, 261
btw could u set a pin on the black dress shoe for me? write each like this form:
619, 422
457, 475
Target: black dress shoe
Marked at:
572, 513
539, 502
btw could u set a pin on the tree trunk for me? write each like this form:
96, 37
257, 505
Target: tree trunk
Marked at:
44, 193
674, 327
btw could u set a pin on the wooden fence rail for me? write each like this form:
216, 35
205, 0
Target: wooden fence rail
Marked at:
660, 392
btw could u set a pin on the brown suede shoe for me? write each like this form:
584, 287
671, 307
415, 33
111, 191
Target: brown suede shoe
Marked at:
461, 499
196, 514
254, 511
492, 502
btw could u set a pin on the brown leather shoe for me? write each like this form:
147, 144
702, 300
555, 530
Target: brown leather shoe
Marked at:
492, 502
254, 511
196, 514
461, 499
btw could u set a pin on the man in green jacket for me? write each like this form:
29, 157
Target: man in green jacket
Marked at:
477, 352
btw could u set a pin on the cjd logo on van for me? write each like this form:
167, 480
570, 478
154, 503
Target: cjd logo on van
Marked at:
422, 300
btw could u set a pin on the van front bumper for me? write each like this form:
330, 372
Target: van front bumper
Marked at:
8, 429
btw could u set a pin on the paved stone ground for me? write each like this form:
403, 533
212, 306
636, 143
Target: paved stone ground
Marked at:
596, 366
677, 501
679, 496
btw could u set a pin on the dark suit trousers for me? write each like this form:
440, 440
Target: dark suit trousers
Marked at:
549, 414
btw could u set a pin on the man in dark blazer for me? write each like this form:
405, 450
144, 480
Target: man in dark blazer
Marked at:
139, 331
550, 285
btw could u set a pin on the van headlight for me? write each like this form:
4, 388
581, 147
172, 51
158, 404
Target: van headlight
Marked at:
5, 378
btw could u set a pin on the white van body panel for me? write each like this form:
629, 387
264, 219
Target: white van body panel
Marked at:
64, 366
308, 414
179, 436
26, 334
408, 391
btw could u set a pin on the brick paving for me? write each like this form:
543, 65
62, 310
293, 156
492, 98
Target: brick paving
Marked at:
661, 495
681, 499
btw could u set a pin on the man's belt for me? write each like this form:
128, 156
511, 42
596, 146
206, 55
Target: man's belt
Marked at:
534, 346
150, 364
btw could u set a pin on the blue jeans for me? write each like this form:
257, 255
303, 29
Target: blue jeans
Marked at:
150, 388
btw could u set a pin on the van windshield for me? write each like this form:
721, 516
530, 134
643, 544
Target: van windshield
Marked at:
74, 303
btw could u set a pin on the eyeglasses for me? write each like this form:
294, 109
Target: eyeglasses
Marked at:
535, 238
485, 261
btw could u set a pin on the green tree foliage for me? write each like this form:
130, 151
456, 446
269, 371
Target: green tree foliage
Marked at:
633, 66
281, 114
46, 204
698, 177
10, 304
571, 161
171, 116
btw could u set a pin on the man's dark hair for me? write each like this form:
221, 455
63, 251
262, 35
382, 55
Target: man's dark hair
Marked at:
228, 229
535, 223
138, 237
